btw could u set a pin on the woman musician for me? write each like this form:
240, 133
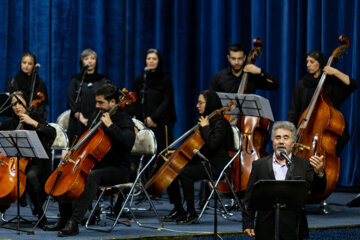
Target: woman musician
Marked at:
37, 170
218, 137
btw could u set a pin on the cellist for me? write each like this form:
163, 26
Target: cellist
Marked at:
114, 167
218, 137
338, 87
37, 170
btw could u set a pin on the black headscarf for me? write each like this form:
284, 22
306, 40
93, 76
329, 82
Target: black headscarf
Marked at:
309, 79
212, 102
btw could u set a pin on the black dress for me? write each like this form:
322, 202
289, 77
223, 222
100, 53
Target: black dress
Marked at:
156, 100
22, 82
334, 88
37, 170
86, 104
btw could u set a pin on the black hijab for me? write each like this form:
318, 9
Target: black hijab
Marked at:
212, 102
309, 79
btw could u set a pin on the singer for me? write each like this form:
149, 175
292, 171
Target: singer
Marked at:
23, 81
274, 167
81, 94
155, 104
218, 137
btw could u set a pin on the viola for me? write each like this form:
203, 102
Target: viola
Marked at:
179, 158
9, 171
319, 128
67, 182
253, 133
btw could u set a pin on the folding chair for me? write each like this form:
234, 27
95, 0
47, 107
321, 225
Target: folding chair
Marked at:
63, 119
145, 145
61, 141
224, 176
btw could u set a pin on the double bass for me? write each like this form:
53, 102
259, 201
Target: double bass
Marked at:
319, 128
253, 133
10, 188
180, 157
67, 182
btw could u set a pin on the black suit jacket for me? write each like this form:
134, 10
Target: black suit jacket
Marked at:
292, 222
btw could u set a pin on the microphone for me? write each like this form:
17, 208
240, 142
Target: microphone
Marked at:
285, 156
86, 67
199, 154
146, 69
37, 66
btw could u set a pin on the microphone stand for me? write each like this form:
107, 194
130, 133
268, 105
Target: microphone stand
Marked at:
143, 94
78, 96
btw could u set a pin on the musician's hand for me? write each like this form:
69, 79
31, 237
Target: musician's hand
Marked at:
64, 155
251, 68
105, 118
203, 121
83, 120
250, 232
318, 164
149, 122
330, 70
24, 118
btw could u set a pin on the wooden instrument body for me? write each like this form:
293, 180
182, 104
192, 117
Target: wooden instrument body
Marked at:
70, 185
172, 167
320, 136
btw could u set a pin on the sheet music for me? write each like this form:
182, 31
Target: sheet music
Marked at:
250, 104
27, 142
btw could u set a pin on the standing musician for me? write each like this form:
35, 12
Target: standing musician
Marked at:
37, 170
23, 81
293, 223
218, 137
228, 80
114, 168
338, 87
83, 107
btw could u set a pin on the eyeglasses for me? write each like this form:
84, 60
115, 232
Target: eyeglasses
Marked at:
200, 103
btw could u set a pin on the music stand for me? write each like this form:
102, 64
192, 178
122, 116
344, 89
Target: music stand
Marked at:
247, 104
20, 143
270, 194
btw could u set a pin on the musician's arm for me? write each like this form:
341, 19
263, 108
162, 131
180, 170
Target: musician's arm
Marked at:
215, 135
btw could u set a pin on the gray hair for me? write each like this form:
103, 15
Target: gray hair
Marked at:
284, 125
87, 52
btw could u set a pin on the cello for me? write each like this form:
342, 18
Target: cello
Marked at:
13, 169
180, 157
319, 128
253, 132
67, 182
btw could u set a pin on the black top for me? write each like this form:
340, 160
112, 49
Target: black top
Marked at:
225, 81
47, 135
158, 98
122, 136
290, 220
336, 90
218, 135
86, 104
23, 82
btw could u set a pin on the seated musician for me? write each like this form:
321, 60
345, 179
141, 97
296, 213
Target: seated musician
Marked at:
275, 167
114, 168
218, 137
37, 170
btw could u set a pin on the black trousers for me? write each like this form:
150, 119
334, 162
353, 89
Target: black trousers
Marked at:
97, 177
193, 171
35, 188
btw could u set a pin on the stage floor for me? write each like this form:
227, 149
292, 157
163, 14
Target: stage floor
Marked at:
339, 215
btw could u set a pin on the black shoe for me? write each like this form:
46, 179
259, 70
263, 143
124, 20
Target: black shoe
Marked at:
95, 218
71, 229
55, 227
174, 216
190, 218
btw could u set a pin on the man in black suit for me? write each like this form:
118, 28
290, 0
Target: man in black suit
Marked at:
293, 223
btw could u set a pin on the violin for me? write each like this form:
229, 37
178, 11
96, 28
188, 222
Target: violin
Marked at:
319, 128
9, 168
67, 182
180, 157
